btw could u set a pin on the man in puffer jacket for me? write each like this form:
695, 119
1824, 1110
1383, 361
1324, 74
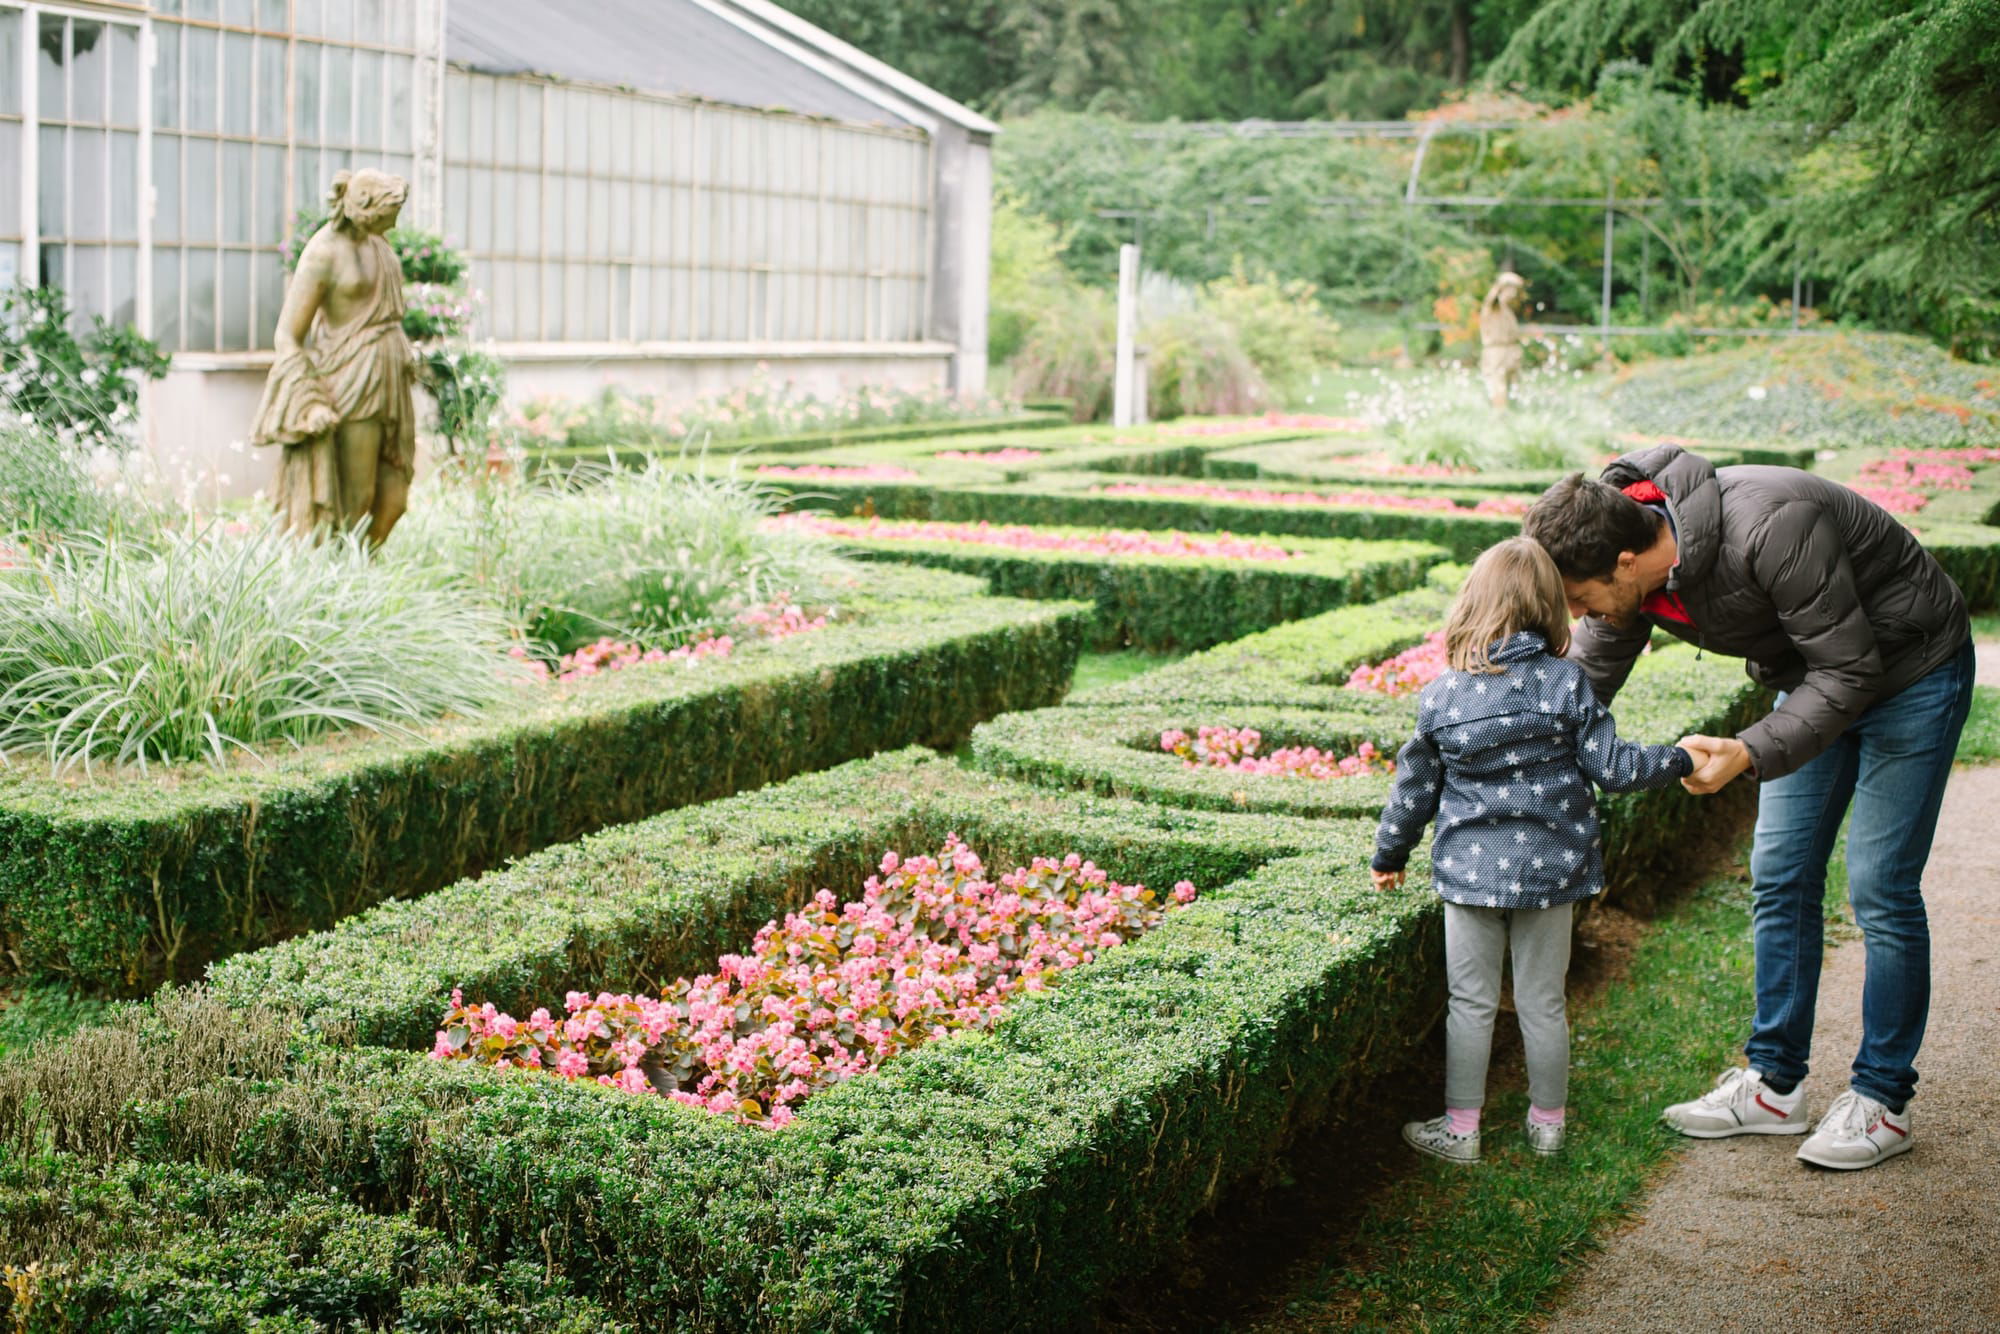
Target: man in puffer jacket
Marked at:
1837, 606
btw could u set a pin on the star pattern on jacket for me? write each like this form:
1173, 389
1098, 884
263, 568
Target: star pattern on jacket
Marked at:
1504, 763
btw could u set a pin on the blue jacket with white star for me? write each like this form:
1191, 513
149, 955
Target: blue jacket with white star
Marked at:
1505, 762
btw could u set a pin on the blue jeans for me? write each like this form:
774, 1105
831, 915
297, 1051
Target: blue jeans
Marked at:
1891, 763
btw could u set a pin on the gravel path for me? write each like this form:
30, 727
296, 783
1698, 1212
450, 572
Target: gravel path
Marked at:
1739, 1235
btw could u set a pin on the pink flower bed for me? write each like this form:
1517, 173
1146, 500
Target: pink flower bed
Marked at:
860, 472
1905, 481
1388, 466
1286, 420
1109, 542
1508, 505
931, 947
1234, 749
1011, 454
1404, 674
777, 619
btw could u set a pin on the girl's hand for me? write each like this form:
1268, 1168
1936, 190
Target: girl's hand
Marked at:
1387, 879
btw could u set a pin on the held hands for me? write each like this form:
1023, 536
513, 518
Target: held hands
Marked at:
1717, 760
1387, 879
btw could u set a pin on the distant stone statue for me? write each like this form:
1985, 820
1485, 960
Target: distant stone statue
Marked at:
1500, 337
340, 407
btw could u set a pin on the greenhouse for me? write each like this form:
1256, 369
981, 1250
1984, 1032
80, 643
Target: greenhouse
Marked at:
664, 192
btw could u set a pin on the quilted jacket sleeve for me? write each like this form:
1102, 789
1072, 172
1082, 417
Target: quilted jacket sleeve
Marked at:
1803, 566
1606, 653
1617, 765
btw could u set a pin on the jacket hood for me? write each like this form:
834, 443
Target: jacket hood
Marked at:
1520, 645
1694, 498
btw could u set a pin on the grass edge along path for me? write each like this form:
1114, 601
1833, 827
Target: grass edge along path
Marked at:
1450, 1249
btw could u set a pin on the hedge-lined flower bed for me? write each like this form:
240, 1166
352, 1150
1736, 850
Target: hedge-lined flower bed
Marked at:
1152, 591
124, 883
1234, 750
1068, 1144
932, 947
1512, 506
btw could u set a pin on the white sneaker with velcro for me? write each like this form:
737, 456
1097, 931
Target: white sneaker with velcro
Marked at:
1741, 1103
1857, 1131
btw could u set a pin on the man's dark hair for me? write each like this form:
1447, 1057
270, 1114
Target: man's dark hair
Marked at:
1583, 524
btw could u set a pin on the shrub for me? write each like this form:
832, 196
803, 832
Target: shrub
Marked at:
202, 644
651, 555
46, 485
1067, 352
1197, 366
1280, 324
134, 880
83, 392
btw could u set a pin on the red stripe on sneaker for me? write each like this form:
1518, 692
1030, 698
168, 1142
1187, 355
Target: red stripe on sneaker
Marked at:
1893, 1126
1781, 1115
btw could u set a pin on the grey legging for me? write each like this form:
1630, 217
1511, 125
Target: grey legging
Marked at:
1474, 940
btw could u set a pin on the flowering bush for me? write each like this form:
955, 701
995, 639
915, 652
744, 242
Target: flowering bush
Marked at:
1012, 454
859, 472
1234, 749
84, 393
432, 312
1269, 421
1509, 505
1906, 479
1406, 673
777, 619
1109, 542
832, 991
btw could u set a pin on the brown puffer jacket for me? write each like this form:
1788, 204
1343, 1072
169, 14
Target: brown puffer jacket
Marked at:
1824, 594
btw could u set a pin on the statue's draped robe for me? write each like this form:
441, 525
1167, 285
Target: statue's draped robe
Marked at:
363, 370
1500, 345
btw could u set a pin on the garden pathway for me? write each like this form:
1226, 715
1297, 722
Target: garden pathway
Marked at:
1739, 1235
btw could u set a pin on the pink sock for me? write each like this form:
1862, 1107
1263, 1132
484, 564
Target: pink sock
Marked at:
1544, 1117
1462, 1120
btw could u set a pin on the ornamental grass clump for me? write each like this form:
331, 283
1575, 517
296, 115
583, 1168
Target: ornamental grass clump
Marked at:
202, 642
651, 555
1234, 750
932, 947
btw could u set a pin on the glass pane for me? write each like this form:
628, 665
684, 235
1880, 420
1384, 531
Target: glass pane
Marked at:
527, 144
203, 9
457, 115
10, 61
167, 299
371, 24
269, 280
124, 75
339, 20
54, 63
125, 285
339, 126
576, 120
306, 87
368, 92
621, 218
199, 210
124, 186
401, 72
270, 88
504, 237
201, 301
54, 270
10, 174
49, 195
600, 134
479, 211
483, 93
236, 199
524, 218
166, 187
576, 201
308, 18
167, 78
204, 74
235, 301
549, 326
89, 55
89, 284
269, 228
271, 15
236, 83
238, 13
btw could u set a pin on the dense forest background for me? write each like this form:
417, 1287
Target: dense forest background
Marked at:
1853, 142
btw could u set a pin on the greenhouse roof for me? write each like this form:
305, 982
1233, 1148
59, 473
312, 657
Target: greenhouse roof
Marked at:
708, 49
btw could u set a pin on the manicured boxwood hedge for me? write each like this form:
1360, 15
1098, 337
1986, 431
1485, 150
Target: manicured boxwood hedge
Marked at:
122, 884
1187, 602
561, 455
1057, 499
993, 1181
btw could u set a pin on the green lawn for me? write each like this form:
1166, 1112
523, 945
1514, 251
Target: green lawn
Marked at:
1103, 669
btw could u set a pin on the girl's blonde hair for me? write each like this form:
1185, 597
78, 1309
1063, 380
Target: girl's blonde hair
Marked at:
1513, 586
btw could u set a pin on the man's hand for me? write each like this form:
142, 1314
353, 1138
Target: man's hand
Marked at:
1717, 759
1387, 879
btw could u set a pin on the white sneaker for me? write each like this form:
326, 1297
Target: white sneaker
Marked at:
1435, 1138
1741, 1103
1857, 1131
1547, 1140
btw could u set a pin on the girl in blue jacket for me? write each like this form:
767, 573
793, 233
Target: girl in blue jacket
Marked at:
1507, 745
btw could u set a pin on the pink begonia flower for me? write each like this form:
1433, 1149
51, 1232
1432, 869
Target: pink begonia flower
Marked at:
1406, 672
1506, 505
571, 1064
1234, 750
1110, 542
1011, 454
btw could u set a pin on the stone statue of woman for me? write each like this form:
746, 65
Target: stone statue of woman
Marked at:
1500, 337
340, 407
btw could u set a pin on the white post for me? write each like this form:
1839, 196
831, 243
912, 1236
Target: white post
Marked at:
1122, 377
